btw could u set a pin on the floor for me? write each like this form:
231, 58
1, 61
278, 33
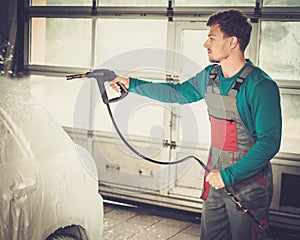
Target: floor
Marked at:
148, 223
144, 222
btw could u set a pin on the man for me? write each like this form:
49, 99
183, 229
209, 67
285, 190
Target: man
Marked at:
245, 114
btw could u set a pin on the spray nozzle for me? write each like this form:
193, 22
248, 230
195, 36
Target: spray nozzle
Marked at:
102, 76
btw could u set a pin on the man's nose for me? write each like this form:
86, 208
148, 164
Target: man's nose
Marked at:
205, 44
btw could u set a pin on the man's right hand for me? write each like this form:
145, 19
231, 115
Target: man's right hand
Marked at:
122, 80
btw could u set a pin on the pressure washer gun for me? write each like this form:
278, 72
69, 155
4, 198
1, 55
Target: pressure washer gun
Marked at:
102, 76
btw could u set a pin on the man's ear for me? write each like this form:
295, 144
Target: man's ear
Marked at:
233, 42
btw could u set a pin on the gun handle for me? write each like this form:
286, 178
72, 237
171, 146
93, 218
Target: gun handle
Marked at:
124, 93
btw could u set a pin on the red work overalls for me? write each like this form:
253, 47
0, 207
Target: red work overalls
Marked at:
230, 141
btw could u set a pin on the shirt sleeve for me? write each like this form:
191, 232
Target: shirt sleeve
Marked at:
265, 109
188, 91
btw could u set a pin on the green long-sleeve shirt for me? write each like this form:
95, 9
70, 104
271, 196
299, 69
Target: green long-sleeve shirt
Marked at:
258, 103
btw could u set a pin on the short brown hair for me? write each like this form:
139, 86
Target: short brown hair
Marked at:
233, 23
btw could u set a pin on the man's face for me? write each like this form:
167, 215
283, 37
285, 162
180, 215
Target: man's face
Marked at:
217, 45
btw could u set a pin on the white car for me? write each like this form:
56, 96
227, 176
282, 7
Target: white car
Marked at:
49, 186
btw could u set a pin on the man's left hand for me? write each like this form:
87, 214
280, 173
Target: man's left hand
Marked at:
214, 179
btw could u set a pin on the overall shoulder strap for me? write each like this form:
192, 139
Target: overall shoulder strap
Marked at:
213, 74
240, 79
214, 82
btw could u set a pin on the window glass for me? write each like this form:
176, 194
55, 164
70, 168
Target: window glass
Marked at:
61, 2
117, 37
214, 3
281, 3
290, 104
133, 3
192, 47
280, 49
194, 59
131, 45
131, 116
61, 42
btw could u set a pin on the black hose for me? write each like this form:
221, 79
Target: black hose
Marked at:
147, 158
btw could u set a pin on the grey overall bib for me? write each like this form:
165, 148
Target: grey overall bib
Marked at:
230, 141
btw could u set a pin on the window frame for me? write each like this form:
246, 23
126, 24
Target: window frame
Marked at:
173, 14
